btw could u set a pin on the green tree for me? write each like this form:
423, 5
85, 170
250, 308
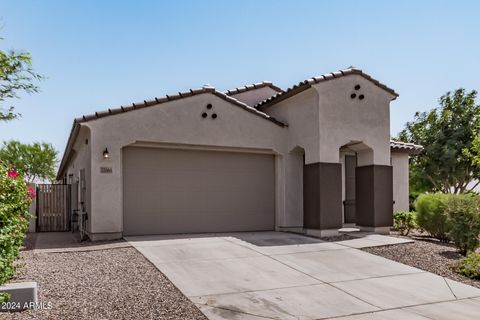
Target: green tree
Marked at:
449, 135
16, 76
474, 152
36, 161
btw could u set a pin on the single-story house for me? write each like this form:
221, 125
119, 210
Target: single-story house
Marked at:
311, 158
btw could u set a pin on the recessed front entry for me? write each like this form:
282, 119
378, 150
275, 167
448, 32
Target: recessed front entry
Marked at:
349, 202
167, 191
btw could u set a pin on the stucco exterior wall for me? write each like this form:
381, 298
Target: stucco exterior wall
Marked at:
300, 113
400, 181
320, 120
343, 120
252, 97
82, 160
176, 122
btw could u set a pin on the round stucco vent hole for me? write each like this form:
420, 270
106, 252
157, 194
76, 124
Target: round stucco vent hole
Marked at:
204, 115
353, 96
209, 106
361, 97
214, 116
357, 87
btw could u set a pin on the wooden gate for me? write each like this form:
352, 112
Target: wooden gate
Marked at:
53, 207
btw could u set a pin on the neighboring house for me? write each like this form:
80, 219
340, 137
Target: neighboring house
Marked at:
308, 159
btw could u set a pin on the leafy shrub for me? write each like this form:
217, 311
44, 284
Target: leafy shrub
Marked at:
431, 214
15, 199
470, 266
404, 222
464, 215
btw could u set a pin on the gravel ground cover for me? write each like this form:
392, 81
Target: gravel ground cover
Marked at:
427, 254
341, 237
105, 284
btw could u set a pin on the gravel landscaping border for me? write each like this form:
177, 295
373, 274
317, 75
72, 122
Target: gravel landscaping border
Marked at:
117, 283
427, 254
340, 237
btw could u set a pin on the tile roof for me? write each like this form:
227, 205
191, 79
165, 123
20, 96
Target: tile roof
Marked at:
253, 86
405, 147
179, 95
303, 85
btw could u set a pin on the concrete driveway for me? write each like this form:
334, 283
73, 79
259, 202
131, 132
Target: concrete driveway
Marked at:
273, 275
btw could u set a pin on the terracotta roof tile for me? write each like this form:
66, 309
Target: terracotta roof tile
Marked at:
411, 148
253, 86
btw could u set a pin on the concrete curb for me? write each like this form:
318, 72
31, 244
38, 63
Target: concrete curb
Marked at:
23, 295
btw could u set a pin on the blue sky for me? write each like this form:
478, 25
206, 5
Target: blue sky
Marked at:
101, 54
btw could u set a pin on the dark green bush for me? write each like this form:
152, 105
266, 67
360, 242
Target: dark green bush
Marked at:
404, 222
470, 266
15, 199
463, 212
432, 216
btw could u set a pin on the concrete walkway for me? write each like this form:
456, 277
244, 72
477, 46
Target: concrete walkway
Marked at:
272, 275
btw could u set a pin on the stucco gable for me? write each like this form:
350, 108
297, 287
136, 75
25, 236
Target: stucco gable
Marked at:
167, 98
304, 85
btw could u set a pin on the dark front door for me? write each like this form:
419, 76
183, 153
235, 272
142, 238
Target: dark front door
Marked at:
349, 203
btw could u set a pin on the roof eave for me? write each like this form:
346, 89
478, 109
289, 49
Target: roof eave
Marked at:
68, 149
405, 147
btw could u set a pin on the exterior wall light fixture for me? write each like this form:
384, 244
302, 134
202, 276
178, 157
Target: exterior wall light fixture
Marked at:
106, 154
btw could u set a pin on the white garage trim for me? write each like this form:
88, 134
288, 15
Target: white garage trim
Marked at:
182, 146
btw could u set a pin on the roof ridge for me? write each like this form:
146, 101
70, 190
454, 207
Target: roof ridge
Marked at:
305, 84
253, 86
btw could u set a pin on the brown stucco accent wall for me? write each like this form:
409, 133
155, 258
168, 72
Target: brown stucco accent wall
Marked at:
322, 195
374, 196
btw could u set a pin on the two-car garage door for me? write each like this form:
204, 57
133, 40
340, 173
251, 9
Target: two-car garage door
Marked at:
167, 191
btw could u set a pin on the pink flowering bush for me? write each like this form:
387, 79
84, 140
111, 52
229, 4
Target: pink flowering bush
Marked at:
15, 200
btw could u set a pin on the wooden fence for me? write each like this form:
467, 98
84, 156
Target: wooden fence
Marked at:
53, 207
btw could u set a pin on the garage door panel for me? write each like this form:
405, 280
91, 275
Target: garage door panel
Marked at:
186, 191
